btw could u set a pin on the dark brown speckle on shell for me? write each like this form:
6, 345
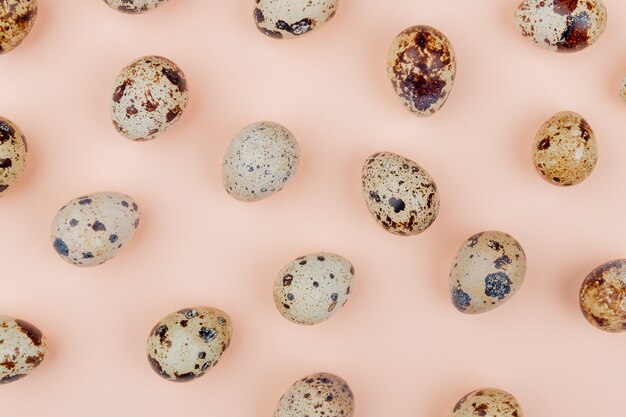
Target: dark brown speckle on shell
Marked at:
134, 6
603, 296
16, 21
487, 402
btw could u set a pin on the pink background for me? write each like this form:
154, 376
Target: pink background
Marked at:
399, 342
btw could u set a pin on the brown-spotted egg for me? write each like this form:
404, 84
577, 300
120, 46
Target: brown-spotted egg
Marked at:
622, 89
188, 343
134, 6
561, 25
16, 20
487, 270
149, 96
603, 296
22, 349
487, 402
321, 394
12, 154
284, 19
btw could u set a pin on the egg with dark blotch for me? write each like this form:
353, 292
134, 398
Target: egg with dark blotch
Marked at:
17, 18
622, 90
487, 271
603, 296
149, 96
401, 195
13, 151
22, 349
94, 228
311, 289
286, 19
565, 149
321, 394
487, 402
188, 343
422, 66
562, 25
134, 6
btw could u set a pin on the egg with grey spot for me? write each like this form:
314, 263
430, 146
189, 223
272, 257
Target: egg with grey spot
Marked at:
22, 349
260, 160
134, 6
488, 270
94, 228
188, 343
603, 296
13, 151
149, 96
320, 394
286, 19
17, 18
312, 288
487, 402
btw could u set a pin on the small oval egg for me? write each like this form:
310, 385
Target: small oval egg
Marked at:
13, 151
187, 344
320, 394
285, 19
603, 296
312, 288
401, 195
22, 349
487, 402
561, 25
149, 96
622, 90
422, 66
134, 6
565, 149
487, 270
17, 18
92, 229
261, 159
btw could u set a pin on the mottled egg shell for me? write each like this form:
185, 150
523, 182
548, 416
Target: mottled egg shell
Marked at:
312, 288
603, 296
92, 229
284, 19
623, 89
561, 25
185, 345
487, 402
320, 394
401, 195
16, 20
12, 154
565, 149
488, 269
134, 6
149, 96
422, 66
260, 161
22, 349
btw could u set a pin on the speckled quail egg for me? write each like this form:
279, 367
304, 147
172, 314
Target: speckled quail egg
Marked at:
487, 270
149, 96
487, 402
284, 19
92, 229
134, 6
422, 66
12, 154
622, 90
565, 149
185, 345
561, 25
22, 348
401, 195
260, 161
320, 394
603, 296
312, 288
16, 20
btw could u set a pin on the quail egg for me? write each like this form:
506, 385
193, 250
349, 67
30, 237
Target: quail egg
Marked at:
12, 153
320, 394
603, 296
284, 19
134, 6
487, 402
622, 90
16, 20
22, 348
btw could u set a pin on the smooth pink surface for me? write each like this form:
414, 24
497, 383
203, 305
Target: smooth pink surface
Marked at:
399, 342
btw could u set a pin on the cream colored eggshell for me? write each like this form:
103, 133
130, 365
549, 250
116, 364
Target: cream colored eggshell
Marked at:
261, 159
402, 196
13, 151
188, 343
312, 288
603, 297
22, 349
149, 96
487, 270
622, 90
487, 402
565, 149
562, 25
421, 66
134, 6
92, 229
17, 18
285, 19
320, 394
